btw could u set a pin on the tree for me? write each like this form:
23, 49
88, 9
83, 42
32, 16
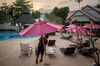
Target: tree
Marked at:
53, 18
22, 4
61, 12
36, 14
4, 17
93, 51
55, 11
97, 6
79, 1
18, 7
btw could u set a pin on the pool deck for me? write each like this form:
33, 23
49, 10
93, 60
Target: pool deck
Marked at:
9, 54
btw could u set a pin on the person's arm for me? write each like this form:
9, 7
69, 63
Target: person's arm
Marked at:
43, 42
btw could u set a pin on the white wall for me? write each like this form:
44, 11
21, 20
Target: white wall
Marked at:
8, 26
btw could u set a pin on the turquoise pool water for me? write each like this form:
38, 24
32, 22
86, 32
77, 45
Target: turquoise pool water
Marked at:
6, 35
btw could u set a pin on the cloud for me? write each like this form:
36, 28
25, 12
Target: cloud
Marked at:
63, 2
50, 4
7, 1
42, 1
46, 5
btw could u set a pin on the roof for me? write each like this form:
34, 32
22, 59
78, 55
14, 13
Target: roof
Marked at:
86, 13
90, 16
94, 8
98, 9
25, 18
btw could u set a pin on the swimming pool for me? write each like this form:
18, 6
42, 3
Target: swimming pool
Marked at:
6, 35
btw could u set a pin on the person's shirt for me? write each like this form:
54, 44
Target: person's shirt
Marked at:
45, 41
41, 43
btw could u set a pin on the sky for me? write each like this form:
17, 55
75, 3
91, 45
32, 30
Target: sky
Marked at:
48, 5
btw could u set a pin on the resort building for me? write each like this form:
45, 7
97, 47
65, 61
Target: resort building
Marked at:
84, 16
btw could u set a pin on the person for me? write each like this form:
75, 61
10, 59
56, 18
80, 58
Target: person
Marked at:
46, 39
41, 47
45, 42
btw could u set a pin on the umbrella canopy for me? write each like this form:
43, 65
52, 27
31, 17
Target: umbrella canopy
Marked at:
80, 29
93, 26
59, 26
74, 29
71, 26
37, 29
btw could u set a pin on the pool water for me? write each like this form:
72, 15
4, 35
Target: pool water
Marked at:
6, 35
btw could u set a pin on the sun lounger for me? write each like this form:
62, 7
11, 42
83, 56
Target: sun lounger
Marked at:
51, 42
68, 50
51, 48
25, 49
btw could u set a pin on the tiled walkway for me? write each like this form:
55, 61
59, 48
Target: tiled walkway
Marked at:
9, 51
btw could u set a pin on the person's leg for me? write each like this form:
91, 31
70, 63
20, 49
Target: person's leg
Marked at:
42, 53
41, 58
37, 56
37, 59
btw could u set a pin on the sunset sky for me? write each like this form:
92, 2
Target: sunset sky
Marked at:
48, 5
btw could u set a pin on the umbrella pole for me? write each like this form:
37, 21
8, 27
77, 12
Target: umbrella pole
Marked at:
77, 34
61, 33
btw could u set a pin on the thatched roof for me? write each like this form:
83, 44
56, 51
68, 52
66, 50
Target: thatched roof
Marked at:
25, 18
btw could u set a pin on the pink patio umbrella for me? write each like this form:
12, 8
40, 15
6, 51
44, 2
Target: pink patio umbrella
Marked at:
38, 28
80, 29
59, 26
93, 26
71, 26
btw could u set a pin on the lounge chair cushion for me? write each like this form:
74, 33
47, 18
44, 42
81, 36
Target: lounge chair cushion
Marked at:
50, 50
68, 50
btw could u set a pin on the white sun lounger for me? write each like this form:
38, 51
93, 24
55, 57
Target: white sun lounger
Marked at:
25, 49
50, 50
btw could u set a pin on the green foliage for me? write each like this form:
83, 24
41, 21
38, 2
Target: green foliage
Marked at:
36, 14
98, 5
4, 14
12, 12
22, 4
18, 7
61, 12
53, 18
55, 11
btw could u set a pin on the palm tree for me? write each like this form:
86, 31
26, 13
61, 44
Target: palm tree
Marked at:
79, 1
4, 17
21, 5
